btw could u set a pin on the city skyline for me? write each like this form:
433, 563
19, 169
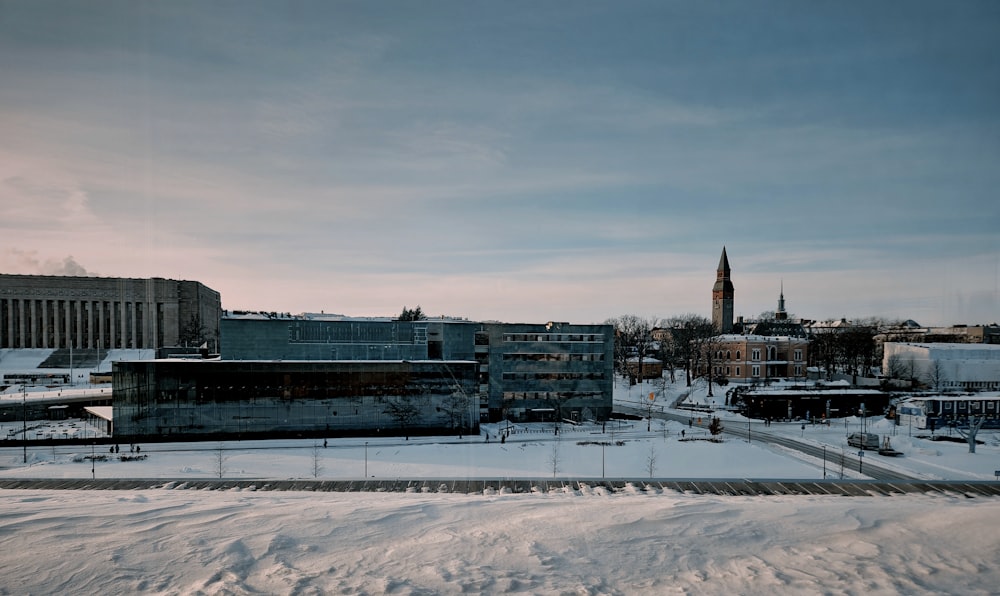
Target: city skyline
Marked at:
515, 162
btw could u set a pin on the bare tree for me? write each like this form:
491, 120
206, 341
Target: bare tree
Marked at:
684, 333
220, 460
317, 461
651, 460
707, 347
633, 338
554, 458
935, 374
969, 434
403, 411
455, 408
895, 368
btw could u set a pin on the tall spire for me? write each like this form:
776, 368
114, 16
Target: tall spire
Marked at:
722, 297
723, 270
780, 314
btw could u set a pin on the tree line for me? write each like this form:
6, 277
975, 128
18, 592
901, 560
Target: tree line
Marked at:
690, 341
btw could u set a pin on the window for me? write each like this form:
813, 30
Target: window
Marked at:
798, 355
798, 370
737, 356
756, 355
755, 371
737, 371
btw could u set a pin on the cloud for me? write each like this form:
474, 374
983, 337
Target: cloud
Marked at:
30, 263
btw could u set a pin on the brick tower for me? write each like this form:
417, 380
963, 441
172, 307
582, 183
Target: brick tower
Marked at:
722, 297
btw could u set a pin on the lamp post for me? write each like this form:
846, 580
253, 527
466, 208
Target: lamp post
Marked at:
602, 459
366, 460
824, 461
24, 421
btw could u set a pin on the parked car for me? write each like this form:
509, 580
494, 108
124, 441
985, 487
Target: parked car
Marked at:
863, 440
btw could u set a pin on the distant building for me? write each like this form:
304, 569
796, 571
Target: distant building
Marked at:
944, 366
756, 358
780, 325
911, 331
102, 313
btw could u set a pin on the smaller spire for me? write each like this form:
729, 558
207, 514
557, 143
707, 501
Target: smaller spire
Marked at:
780, 314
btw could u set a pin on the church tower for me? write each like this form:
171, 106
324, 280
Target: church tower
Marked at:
780, 314
722, 297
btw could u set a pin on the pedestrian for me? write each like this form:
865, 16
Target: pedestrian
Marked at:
324, 443
682, 433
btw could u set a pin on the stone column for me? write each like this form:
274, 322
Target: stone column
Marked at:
68, 323
21, 324
101, 304
90, 325
37, 315
113, 325
135, 330
79, 324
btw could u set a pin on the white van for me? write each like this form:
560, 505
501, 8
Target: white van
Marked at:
863, 440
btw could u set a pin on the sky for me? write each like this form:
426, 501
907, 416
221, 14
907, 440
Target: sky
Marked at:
515, 161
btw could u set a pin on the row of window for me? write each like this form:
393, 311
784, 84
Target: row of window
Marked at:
554, 357
975, 406
551, 395
772, 354
547, 376
754, 371
554, 337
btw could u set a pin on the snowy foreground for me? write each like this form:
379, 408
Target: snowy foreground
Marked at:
207, 542
174, 541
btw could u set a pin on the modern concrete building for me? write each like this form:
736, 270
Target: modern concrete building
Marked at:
100, 313
554, 371
526, 371
944, 366
230, 399
273, 336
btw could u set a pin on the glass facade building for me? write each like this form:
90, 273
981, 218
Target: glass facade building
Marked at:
217, 398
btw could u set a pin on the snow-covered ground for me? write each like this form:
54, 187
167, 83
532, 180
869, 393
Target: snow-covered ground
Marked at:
210, 542
170, 541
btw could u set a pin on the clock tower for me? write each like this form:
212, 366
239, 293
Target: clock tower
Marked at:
722, 297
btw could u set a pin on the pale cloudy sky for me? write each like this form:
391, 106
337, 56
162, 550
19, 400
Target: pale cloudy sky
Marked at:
521, 161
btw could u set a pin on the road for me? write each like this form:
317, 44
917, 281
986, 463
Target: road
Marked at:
862, 464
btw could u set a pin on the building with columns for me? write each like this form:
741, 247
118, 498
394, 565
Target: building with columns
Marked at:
102, 313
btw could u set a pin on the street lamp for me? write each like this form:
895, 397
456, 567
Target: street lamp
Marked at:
602, 459
366, 460
24, 421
